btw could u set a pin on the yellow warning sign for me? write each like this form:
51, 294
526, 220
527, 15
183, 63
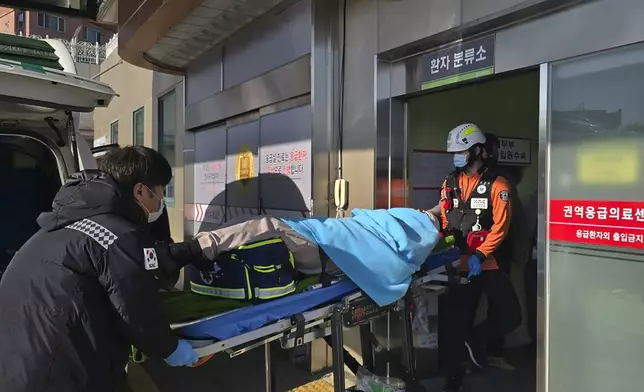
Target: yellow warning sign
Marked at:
245, 168
608, 164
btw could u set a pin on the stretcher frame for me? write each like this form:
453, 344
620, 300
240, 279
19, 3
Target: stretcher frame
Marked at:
328, 322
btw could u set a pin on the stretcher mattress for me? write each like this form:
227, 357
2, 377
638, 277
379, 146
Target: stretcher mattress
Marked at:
240, 321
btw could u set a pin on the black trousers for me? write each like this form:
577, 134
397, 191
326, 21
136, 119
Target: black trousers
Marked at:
503, 314
453, 311
458, 307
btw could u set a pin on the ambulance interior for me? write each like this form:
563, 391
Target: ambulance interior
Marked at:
30, 177
507, 106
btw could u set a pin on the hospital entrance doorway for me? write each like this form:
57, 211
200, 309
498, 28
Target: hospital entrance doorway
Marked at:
506, 106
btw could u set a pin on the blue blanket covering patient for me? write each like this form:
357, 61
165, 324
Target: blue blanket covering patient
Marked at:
378, 249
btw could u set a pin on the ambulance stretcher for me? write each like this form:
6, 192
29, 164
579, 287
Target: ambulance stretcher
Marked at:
320, 312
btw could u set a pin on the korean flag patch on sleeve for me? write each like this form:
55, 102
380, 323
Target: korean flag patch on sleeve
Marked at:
504, 195
151, 261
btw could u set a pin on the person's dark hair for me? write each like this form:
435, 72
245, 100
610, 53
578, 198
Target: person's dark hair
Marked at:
136, 164
491, 141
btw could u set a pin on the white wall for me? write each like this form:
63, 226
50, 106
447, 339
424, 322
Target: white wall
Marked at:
402, 22
88, 71
270, 42
134, 87
163, 84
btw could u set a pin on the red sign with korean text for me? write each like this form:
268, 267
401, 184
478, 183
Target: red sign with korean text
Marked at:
594, 222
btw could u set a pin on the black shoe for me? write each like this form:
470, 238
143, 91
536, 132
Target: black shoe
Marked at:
475, 353
500, 363
453, 384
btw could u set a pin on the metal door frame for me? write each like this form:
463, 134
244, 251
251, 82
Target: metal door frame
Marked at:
543, 197
542, 229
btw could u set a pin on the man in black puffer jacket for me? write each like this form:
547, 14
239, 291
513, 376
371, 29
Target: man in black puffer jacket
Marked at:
84, 288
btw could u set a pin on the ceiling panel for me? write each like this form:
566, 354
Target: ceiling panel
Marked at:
195, 20
208, 12
207, 26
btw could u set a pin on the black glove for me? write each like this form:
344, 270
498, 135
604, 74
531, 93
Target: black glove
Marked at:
174, 256
168, 272
189, 252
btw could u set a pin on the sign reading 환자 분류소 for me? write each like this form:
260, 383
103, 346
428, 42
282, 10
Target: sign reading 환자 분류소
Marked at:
464, 61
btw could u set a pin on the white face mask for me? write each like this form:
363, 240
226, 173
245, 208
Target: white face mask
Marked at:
154, 216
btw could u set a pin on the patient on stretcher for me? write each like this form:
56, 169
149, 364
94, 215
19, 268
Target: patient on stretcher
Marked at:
263, 257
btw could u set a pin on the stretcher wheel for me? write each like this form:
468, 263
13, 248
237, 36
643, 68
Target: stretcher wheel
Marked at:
203, 360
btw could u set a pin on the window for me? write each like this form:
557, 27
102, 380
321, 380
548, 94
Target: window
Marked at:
166, 135
138, 126
114, 132
92, 36
20, 19
51, 22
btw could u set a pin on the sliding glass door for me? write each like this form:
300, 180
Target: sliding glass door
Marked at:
593, 247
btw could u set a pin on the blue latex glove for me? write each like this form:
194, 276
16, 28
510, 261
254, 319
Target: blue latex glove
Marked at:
475, 266
184, 355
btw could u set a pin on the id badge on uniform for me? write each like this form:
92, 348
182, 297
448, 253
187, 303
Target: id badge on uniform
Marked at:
479, 203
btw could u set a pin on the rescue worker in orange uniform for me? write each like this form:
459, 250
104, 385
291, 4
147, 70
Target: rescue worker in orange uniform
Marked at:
511, 249
475, 208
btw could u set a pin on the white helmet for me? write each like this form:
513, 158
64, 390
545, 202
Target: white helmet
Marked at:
463, 137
